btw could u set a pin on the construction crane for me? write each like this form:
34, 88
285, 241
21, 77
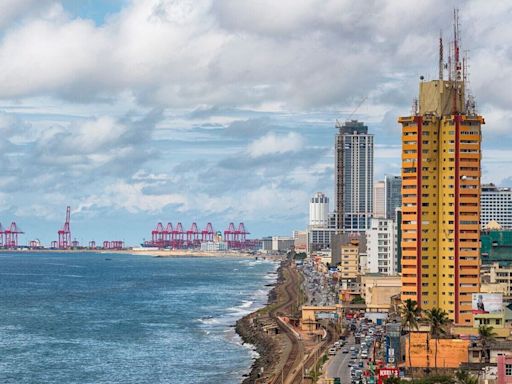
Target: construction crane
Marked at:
357, 107
339, 125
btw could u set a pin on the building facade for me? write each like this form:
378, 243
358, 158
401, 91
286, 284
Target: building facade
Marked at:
379, 199
500, 274
353, 176
441, 173
504, 363
496, 247
349, 264
282, 243
214, 246
381, 247
319, 211
392, 195
496, 205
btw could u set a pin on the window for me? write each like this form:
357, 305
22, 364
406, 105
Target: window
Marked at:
508, 369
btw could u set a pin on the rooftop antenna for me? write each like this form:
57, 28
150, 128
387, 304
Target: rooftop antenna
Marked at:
414, 107
457, 67
470, 99
456, 44
441, 64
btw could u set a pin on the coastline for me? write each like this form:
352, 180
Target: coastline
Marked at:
251, 334
149, 252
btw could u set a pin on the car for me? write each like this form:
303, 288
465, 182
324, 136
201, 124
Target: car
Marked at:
332, 351
352, 349
364, 355
337, 344
344, 350
361, 364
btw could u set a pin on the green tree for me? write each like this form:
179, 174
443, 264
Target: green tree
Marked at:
487, 337
358, 300
392, 380
464, 377
437, 319
409, 314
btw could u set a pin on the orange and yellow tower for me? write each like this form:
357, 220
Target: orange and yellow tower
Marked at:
441, 154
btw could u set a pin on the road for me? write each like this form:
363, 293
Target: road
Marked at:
338, 364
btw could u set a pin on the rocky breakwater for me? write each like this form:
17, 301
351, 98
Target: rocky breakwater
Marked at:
258, 329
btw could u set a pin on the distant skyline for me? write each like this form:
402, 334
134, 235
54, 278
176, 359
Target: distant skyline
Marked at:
134, 112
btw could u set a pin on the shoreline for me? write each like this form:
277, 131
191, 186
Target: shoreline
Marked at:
149, 252
264, 345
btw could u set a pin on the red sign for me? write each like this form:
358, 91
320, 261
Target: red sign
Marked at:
384, 373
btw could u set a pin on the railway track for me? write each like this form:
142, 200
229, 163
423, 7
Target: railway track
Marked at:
286, 309
292, 372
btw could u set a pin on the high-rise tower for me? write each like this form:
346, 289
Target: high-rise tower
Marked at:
392, 195
353, 177
441, 172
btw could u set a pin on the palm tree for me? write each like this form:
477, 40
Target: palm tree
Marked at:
438, 320
409, 314
464, 377
487, 337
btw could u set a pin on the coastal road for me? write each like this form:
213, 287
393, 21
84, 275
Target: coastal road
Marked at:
338, 364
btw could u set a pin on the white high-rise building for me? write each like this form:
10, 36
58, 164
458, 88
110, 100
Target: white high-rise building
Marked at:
379, 199
319, 211
496, 205
380, 246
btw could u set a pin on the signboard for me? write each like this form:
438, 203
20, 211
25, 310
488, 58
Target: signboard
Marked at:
325, 315
384, 373
487, 303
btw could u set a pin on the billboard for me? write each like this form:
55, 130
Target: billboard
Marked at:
384, 373
487, 303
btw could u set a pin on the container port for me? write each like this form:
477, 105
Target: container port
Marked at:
162, 237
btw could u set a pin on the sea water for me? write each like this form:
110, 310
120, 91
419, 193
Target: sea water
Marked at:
98, 318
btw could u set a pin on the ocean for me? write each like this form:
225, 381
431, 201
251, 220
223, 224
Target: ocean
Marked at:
98, 318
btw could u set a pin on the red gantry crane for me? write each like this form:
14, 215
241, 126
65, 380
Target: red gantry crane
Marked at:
11, 235
65, 232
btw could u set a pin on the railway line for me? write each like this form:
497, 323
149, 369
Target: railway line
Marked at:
293, 368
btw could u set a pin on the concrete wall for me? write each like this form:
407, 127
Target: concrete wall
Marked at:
450, 353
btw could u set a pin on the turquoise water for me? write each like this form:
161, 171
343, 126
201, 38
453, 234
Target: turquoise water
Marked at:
92, 318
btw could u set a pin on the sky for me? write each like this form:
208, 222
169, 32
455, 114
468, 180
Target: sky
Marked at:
135, 112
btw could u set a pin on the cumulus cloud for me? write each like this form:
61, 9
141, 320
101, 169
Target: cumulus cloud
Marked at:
131, 197
201, 108
275, 144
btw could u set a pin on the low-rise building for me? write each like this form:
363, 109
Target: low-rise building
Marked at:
377, 290
349, 263
282, 243
496, 246
504, 363
212, 246
311, 314
451, 353
266, 244
501, 275
300, 241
